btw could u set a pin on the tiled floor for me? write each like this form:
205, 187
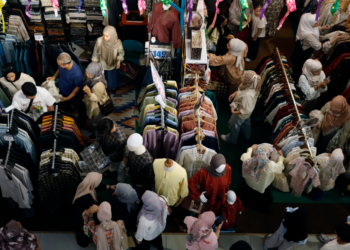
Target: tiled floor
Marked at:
59, 241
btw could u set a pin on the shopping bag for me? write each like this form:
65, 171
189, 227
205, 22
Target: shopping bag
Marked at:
280, 182
94, 157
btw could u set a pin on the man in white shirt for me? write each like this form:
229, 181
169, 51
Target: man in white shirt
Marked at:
342, 242
33, 100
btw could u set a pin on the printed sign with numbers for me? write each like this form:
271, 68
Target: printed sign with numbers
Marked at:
38, 37
159, 52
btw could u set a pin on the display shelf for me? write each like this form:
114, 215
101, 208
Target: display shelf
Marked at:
203, 59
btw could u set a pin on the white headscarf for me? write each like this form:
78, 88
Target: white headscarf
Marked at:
336, 161
237, 47
305, 26
309, 67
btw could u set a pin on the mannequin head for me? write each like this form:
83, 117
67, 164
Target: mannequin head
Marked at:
221, 168
169, 165
166, 4
217, 166
135, 144
231, 197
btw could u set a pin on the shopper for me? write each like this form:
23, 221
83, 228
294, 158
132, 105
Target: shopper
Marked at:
241, 245
235, 12
113, 140
342, 242
258, 32
13, 80
242, 106
292, 230
336, 113
232, 63
220, 35
109, 52
326, 16
14, 237
308, 41
69, 83
106, 234
84, 198
33, 100
151, 221
95, 91
200, 232
312, 82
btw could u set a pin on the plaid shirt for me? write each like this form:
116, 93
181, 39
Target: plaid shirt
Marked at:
141, 169
68, 153
93, 228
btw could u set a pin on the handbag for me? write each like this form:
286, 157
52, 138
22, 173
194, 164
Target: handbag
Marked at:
280, 182
94, 157
196, 206
108, 107
129, 68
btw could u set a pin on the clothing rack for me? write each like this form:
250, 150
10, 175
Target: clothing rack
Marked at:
55, 123
294, 103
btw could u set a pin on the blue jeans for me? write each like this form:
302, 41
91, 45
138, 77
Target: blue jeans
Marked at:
20, 63
236, 125
25, 61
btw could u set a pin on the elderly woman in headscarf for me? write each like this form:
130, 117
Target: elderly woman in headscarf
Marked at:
242, 106
232, 63
235, 16
312, 82
292, 230
151, 221
106, 234
109, 52
84, 198
200, 232
309, 41
126, 206
336, 114
14, 237
95, 90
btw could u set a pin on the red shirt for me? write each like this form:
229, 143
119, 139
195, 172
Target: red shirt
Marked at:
230, 212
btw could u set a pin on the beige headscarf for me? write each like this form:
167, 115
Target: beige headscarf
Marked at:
104, 215
337, 115
237, 47
107, 48
336, 160
88, 185
309, 67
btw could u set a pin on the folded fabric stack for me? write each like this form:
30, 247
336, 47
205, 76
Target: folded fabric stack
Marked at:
78, 29
79, 40
47, 3
17, 28
94, 15
55, 31
49, 14
72, 3
33, 2
36, 27
92, 3
95, 29
76, 16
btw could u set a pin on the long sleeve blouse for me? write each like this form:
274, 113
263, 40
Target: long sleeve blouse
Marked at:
308, 90
98, 96
118, 53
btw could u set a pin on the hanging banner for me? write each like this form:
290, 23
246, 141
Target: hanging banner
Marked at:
158, 82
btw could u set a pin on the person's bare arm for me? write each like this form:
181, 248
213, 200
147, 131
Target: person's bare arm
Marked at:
52, 78
257, 34
51, 108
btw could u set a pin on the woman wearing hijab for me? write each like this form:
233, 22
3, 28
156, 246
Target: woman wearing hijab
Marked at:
242, 106
126, 206
219, 34
342, 242
330, 166
151, 221
13, 80
95, 90
200, 232
14, 237
308, 41
84, 198
336, 114
213, 182
109, 52
106, 234
292, 230
232, 63
235, 13
326, 16
312, 82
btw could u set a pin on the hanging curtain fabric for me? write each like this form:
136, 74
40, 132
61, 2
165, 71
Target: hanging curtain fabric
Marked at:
291, 7
125, 7
2, 4
189, 8
103, 6
245, 5
263, 9
216, 13
319, 2
142, 6
335, 7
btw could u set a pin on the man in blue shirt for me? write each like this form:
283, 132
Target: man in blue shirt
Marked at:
70, 83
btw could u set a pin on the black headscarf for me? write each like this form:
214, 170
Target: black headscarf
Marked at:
295, 223
216, 162
241, 245
10, 68
343, 232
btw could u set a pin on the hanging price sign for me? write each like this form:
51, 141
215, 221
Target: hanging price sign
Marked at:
158, 82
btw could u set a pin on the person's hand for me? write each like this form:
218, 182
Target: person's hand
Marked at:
50, 78
229, 37
280, 152
327, 80
94, 209
113, 187
118, 65
325, 27
220, 226
230, 98
203, 198
64, 99
233, 111
87, 90
254, 146
340, 35
139, 242
254, 38
322, 85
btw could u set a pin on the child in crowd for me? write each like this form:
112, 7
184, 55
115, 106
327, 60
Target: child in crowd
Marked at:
258, 31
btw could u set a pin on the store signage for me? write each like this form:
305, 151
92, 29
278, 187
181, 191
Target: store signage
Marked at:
38, 37
159, 53
158, 82
8, 138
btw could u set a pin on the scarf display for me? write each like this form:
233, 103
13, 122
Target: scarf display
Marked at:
153, 208
256, 165
128, 195
10, 68
216, 162
106, 50
263, 9
142, 6
2, 4
295, 223
88, 185
216, 12
309, 67
337, 115
201, 228
236, 48
291, 6
336, 160
103, 6
237, 9
189, 8
305, 27
319, 9
104, 215
96, 71
125, 7
335, 7
245, 5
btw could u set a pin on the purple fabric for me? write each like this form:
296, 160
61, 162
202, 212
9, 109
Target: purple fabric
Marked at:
173, 101
189, 8
151, 141
153, 208
190, 134
155, 112
263, 9
318, 9
27, 9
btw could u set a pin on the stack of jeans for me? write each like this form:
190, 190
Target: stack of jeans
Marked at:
94, 15
76, 16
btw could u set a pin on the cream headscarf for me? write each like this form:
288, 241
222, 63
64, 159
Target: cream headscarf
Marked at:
305, 26
336, 161
106, 50
237, 48
309, 67
88, 185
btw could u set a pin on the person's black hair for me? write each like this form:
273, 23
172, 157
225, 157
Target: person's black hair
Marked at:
241, 245
104, 128
96, 220
343, 232
219, 20
257, 4
29, 89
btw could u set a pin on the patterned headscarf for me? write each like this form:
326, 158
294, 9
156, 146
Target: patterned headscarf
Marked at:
153, 208
256, 165
12, 236
95, 69
251, 81
201, 228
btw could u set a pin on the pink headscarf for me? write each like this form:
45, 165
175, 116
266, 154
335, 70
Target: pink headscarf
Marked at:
201, 228
153, 208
